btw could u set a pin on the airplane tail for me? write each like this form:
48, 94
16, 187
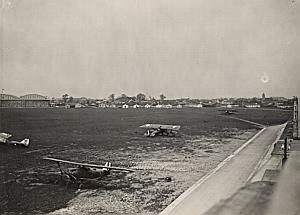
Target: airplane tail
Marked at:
25, 142
108, 164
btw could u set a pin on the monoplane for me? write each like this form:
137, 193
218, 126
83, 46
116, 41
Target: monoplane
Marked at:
4, 138
228, 112
159, 129
85, 171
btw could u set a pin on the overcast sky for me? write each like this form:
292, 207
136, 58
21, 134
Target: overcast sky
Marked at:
188, 48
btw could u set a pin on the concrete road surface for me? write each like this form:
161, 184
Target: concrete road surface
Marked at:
228, 177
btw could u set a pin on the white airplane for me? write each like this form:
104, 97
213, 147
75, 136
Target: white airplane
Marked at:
159, 129
85, 172
4, 138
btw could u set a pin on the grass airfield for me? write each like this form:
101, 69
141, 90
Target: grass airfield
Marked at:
28, 184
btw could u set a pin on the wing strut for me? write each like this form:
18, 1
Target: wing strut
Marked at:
61, 171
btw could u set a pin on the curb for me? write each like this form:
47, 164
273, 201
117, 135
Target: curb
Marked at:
178, 200
265, 158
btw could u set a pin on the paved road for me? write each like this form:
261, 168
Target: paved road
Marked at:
227, 178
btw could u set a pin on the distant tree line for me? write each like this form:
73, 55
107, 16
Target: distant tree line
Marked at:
139, 98
142, 99
112, 98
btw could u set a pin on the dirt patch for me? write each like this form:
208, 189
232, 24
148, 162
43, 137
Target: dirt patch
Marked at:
164, 174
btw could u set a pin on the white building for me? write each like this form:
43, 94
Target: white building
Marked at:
136, 106
102, 105
112, 106
199, 106
255, 105
147, 106
78, 105
125, 106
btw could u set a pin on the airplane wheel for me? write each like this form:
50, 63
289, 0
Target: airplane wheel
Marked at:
67, 185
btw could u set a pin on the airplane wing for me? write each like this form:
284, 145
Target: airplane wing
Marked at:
4, 137
228, 110
160, 126
154, 126
88, 165
171, 127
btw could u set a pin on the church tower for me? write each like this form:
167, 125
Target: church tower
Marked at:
263, 97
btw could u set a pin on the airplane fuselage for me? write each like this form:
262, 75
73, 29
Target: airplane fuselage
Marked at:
86, 172
163, 132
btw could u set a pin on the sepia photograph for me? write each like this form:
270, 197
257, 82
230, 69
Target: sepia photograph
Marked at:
149, 107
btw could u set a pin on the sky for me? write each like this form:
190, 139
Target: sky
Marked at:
190, 48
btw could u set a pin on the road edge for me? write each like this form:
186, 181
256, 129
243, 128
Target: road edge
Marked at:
179, 199
266, 157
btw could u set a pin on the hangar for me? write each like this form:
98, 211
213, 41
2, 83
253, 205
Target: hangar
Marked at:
29, 100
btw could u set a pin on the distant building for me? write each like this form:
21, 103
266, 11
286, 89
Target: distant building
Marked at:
199, 106
136, 106
112, 106
125, 106
168, 106
29, 100
147, 106
78, 105
254, 105
67, 106
279, 99
102, 105
73, 105
284, 106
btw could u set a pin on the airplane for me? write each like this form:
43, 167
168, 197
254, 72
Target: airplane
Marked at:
158, 129
85, 171
228, 112
4, 138
209, 105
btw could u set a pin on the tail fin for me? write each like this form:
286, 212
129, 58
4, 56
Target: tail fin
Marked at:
25, 142
108, 164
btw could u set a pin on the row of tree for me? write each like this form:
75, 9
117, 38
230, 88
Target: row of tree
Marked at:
66, 98
139, 97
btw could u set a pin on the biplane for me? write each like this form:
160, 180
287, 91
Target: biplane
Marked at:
158, 129
4, 138
85, 171
228, 112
